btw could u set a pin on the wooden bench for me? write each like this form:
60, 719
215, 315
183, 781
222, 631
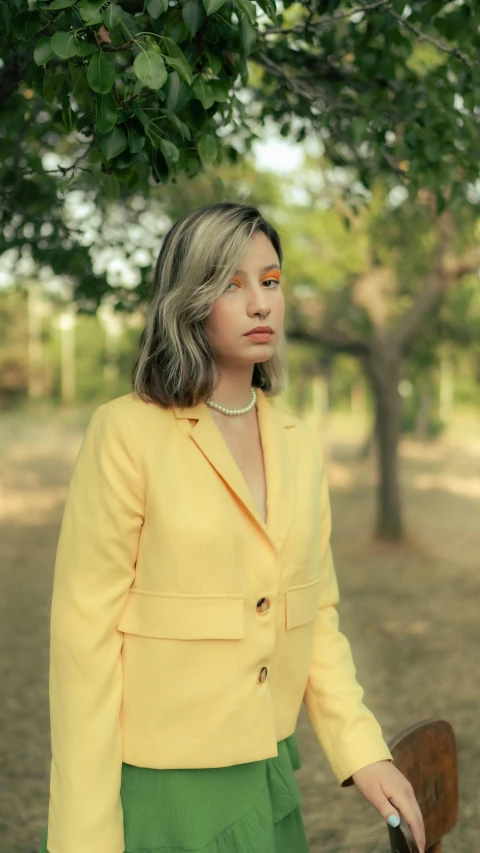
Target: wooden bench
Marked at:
426, 754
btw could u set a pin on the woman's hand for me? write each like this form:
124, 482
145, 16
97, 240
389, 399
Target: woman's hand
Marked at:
384, 786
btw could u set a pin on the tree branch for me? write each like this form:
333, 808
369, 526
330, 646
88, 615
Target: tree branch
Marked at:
324, 24
453, 51
470, 262
331, 339
444, 271
15, 68
114, 48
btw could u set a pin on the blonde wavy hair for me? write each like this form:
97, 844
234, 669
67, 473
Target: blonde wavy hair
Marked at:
176, 363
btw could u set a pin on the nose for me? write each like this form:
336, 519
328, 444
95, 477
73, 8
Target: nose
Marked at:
261, 307
259, 302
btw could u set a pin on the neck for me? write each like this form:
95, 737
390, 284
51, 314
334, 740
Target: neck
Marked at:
234, 389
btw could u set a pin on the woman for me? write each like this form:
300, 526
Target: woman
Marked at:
194, 598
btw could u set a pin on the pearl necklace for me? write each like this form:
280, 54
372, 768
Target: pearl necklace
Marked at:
226, 411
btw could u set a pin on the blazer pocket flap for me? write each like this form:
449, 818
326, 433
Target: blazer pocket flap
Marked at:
301, 604
183, 617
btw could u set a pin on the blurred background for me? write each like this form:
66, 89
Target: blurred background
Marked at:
376, 199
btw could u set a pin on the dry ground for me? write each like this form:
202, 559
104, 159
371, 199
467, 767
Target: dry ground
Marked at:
411, 614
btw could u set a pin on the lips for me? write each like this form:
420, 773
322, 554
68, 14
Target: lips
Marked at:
259, 330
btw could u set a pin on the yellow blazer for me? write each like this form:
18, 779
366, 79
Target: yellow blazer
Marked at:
186, 632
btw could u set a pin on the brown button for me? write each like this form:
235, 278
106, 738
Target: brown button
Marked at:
263, 604
263, 674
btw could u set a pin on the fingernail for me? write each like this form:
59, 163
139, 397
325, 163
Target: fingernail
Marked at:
393, 820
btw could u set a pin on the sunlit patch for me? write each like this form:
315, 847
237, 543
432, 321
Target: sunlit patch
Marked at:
466, 486
340, 477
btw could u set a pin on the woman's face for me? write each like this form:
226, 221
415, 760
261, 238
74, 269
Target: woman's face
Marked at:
252, 294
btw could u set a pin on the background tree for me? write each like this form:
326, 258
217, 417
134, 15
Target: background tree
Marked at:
135, 93
376, 290
112, 99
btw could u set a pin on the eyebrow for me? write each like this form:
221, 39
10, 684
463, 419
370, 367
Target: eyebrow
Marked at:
264, 269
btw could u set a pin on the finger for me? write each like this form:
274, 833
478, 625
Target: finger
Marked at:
411, 813
413, 816
384, 807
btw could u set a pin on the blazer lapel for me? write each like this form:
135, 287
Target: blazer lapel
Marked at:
279, 443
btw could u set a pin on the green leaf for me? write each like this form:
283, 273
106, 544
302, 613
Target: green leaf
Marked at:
124, 161
141, 114
152, 44
219, 90
432, 152
176, 58
126, 174
150, 69
177, 29
127, 159
193, 13
270, 9
193, 167
38, 75
68, 116
156, 7
211, 6
169, 150
191, 53
137, 89
359, 129
25, 26
106, 112
101, 73
249, 35
172, 48
202, 92
159, 167
112, 16
85, 48
248, 8
64, 44
214, 61
62, 185
43, 50
177, 92
243, 69
182, 67
51, 86
111, 185
112, 143
123, 115
7, 18
207, 148
136, 140
60, 4
78, 76
89, 10
182, 128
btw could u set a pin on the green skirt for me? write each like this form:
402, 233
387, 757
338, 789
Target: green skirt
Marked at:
244, 808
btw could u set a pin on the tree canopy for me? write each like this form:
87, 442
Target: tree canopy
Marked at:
136, 92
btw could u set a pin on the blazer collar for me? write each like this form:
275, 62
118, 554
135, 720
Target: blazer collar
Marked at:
279, 445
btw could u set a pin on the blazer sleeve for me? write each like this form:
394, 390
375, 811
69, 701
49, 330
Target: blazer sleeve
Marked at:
346, 729
94, 569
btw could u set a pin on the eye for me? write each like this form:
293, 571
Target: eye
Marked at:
231, 282
274, 280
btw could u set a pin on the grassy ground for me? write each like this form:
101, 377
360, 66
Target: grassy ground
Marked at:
411, 613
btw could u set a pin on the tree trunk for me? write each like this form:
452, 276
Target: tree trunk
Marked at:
382, 366
422, 421
447, 392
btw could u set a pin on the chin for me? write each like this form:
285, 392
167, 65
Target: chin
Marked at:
260, 360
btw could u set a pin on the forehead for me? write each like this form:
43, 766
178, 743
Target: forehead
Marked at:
260, 253
262, 269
